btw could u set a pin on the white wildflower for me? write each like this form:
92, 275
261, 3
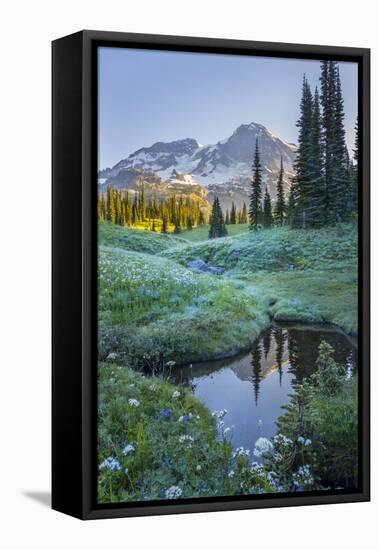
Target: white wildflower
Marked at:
176, 394
231, 473
186, 438
241, 451
110, 463
301, 440
219, 414
307, 442
257, 469
133, 402
128, 449
198, 468
173, 492
262, 446
281, 439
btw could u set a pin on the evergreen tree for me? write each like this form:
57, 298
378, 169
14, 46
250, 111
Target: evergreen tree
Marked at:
227, 220
244, 213
118, 208
303, 177
327, 137
353, 198
111, 207
135, 212
155, 207
177, 228
164, 228
316, 207
267, 210
233, 214
127, 209
280, 207
256, 192
335, 170
291, 206
217, 225
341, 156
141, 201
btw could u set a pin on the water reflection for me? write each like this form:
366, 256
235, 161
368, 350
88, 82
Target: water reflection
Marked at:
254, 386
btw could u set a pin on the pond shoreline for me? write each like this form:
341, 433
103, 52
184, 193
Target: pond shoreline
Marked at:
255, 384
272, 321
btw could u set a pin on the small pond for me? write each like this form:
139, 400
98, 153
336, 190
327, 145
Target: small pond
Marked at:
254, 385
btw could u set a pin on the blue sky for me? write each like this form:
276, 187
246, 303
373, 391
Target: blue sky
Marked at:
147, 96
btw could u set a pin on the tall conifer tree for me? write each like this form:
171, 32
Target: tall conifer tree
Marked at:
233, 214
256, 191
267, 211
244, 213
303, 178
280, 207
217, 225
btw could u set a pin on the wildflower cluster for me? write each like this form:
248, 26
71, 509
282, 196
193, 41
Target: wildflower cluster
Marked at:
111, 464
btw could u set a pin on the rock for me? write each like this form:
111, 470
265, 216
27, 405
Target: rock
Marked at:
216, 270
204, 267
199, 264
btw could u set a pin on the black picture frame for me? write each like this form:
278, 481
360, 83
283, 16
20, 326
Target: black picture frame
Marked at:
74, 295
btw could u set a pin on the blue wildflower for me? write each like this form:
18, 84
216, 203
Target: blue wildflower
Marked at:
165, 414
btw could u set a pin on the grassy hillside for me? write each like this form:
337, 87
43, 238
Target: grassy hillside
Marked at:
300, 275
116, 236
278, 249
199, 234
153, 309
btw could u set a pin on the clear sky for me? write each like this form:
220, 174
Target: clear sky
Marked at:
147, 96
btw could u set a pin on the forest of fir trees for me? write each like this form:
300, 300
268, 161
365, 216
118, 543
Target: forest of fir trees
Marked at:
173, 214
323, 191
136, 210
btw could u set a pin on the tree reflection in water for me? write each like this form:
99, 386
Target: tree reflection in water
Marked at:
297, 346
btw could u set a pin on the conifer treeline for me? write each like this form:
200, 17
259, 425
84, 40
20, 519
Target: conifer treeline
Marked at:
323, 191
324, 188
127, 209
236, 216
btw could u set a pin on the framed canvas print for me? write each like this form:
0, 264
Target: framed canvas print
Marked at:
210, 274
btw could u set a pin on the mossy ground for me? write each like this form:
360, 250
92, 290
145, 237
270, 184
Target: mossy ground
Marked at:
153, 309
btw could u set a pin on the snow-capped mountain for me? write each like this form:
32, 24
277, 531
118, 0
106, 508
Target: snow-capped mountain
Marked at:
224, 169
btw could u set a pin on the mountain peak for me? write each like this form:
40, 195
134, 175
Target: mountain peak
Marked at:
185, 146
223, 168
